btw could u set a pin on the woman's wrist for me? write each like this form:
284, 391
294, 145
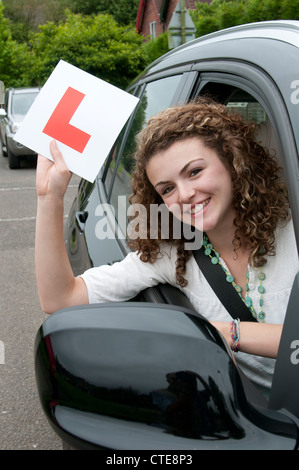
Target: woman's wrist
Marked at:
231, 332
261, 339
235, 335
50, 210
50, 200
225, 329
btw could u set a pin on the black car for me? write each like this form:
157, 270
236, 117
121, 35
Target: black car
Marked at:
105, 372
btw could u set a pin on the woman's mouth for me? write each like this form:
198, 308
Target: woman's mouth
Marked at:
191, 214
196, 208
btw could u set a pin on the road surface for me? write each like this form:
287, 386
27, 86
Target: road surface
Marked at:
23, 426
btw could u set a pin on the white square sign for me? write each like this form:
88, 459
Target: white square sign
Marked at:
83, 113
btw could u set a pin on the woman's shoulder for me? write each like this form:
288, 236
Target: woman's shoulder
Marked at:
285, 237
284, 265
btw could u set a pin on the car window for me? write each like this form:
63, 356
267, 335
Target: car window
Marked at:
246, 105
21, 103
112, 159
157, 96
251, 110
236, 100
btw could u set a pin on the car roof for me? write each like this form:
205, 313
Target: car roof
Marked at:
25, 90
286, 31
261, 45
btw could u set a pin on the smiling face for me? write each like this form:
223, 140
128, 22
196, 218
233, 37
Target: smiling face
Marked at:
191, 176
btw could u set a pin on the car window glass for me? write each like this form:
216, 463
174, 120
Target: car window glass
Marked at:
21, 103
249, 108
108, 179
112, 158
242, 102
157, 96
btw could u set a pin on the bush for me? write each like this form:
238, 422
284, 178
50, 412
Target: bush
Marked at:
14, 57
220, 14
155, 48
96, 44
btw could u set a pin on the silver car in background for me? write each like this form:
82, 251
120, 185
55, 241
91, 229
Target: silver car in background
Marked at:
17, 102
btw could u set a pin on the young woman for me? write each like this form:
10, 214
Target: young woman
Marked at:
202, 157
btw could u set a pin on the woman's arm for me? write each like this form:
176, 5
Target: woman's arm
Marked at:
57, 286
260, 339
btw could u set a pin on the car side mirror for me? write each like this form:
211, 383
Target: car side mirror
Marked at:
2, 113
146, 376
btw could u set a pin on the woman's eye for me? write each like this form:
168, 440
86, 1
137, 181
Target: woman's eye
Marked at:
166, 190
195, 172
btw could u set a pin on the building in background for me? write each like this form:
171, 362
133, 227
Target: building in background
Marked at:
155, 17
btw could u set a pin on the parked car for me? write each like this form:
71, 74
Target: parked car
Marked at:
105, 372
17, 102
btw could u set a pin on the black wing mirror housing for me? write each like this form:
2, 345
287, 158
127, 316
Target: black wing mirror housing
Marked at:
147, 376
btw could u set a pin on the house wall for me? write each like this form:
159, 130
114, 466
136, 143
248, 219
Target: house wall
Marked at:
151, 14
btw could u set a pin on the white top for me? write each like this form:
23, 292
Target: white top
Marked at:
123, 280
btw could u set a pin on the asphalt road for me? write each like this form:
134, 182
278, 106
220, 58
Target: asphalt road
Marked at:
23, 425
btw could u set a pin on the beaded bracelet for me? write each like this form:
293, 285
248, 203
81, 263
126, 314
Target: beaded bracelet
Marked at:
235, 334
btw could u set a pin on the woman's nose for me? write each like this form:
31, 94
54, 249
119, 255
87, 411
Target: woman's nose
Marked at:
186, 192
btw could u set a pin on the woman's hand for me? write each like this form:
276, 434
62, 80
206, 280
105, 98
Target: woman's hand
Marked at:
52, 178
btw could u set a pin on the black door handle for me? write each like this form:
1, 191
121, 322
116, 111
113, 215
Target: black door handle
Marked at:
81, 218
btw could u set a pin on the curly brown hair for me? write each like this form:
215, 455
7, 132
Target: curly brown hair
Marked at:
259, 193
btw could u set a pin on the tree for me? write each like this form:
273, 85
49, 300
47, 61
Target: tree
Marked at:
96, 44
221, 14
26, 16
123, 11
155, 48
14, 57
